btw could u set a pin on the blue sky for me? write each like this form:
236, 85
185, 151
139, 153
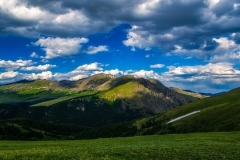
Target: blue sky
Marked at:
189, 44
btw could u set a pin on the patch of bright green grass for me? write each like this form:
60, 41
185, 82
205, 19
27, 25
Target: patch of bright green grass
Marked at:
126, 90
39, 83
207, 146
31, 91
65, 92
68, 95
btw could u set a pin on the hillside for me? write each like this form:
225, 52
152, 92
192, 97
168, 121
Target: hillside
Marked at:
190, 96
213, 114
93, 102
25, 129
218, 113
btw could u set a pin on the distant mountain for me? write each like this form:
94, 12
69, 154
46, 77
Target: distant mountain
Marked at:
205, 94
92, 102
189, 95
212, 94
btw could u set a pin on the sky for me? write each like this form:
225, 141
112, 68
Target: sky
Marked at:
189, 44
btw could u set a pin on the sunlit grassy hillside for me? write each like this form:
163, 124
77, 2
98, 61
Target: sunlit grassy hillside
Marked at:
218, 113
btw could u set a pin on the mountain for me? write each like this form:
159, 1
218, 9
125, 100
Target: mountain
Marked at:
213, 114
218, 113
113, 109
189, 95
212, 94
204, 94
91, 102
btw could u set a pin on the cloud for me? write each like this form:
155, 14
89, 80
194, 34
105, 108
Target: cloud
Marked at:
90, 67
225, 43
115, 72
60, 47
220, 69
94, 50
157, 66
226, 57
197, 36
190, 24
148, 49
146, 74
20, 10
210, 77
34, 55
8, 75
80, 72
77, 77
33, 76
38, 68
11, 65
135, 39
45, 60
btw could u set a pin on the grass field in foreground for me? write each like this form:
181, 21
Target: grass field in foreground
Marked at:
183, 146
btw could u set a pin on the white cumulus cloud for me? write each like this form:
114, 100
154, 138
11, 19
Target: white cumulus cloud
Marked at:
60, 47
115, 72
203, 78
39, 68
147, 74
90, 67
13, 65
8, 75
225, 43
42, 75
80, 72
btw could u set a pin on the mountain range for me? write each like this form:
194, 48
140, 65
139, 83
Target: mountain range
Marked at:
91, 102
107, 106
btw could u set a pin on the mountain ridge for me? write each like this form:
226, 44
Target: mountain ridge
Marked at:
218, 113
111, 99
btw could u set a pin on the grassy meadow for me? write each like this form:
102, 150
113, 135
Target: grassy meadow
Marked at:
218, 145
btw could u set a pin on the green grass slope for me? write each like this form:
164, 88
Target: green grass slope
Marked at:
207, 146
218, 113
150, 95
